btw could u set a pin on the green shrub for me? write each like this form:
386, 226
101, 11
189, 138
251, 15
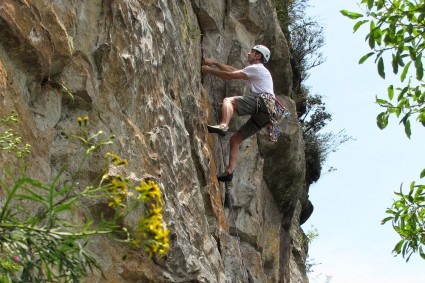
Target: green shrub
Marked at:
40, 242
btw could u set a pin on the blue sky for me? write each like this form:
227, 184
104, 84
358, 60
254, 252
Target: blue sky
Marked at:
352, 246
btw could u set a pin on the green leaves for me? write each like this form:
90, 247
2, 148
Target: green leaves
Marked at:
365, 57
381, 67
359, 24
351, 15
39, 232
390, 91
372, 35
396, 35
405, 70
396, 28
382, 120
422, 174
421, 118
10, 141
407, 217
407, 128
419, 67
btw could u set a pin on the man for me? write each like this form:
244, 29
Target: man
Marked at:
261, 85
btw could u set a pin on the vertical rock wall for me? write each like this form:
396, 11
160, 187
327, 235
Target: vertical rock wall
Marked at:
133, 67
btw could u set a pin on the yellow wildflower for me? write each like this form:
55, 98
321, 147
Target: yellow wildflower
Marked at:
162, 235
152, 227
165, 246
155, 209
115, 201
115, 159
119, 184
149, 190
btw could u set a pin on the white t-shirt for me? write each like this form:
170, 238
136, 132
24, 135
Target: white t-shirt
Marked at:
259, 78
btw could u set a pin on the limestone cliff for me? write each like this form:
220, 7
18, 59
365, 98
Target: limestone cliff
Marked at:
133, 67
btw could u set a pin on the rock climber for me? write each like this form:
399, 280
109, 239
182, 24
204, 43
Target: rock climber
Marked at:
255, 104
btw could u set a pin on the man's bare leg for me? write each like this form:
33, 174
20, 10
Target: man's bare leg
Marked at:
227, 110
235, 142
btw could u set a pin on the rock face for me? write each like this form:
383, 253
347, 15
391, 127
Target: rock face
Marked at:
133, 67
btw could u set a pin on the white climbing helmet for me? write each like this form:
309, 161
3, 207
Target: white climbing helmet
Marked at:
264, 51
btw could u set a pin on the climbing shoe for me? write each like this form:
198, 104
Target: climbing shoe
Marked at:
226, 176
218, 129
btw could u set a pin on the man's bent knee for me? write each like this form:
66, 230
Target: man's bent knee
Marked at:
237, 138
231, 101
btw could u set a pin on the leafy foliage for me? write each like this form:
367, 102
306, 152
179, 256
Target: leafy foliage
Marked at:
39, 242
306, 39
307, 239
408, 219
305, 36
311, 235
316, 117
11, 142
318, 145
396, 38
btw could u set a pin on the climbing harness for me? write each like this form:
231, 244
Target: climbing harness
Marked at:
277, 113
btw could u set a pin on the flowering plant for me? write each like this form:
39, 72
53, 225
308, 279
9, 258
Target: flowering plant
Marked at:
39, 242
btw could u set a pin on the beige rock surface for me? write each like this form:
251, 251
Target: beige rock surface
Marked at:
133, 67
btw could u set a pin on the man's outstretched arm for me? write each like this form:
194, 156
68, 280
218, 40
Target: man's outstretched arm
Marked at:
223, 67
224, 71
225, 75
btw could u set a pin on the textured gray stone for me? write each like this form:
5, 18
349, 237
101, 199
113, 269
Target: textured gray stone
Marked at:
133, 67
